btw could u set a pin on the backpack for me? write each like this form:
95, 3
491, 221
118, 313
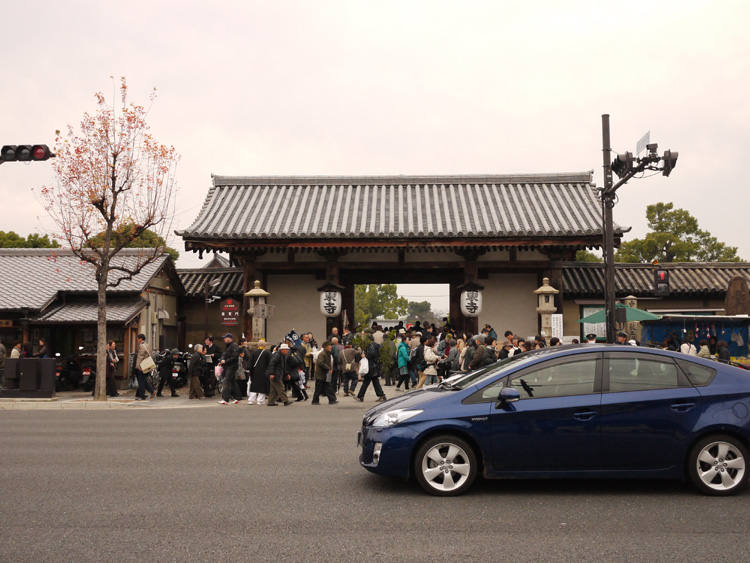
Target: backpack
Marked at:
416, 358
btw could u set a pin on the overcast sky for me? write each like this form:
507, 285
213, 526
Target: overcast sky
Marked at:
395, 87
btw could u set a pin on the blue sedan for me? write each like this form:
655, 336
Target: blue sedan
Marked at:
590, 411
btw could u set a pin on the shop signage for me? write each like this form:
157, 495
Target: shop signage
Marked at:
6, 324
230, 312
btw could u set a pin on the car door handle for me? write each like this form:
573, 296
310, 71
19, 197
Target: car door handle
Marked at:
587, 415
682, 407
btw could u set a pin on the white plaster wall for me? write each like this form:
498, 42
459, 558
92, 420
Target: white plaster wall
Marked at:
510, 304
297, 302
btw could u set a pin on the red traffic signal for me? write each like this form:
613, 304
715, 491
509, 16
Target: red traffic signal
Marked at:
25, 153
661, 282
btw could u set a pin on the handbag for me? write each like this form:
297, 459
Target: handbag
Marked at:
364, 366
329, 376
218, 370
147, 364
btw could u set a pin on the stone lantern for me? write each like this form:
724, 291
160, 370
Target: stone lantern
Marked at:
631, 327
259, 310
546, 306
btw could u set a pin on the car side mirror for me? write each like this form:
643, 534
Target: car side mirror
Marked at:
507, 395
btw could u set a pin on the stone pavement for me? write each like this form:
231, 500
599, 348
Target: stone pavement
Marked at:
80, 400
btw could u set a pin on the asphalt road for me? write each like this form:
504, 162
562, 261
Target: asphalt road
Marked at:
249, 483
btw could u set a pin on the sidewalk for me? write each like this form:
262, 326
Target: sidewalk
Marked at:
81, 400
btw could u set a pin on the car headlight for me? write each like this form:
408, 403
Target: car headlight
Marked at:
392, 418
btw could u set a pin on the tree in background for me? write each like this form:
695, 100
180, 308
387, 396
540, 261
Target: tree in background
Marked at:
114, 182
675, 237
421, 311
12, 240
586, 256
147, 239
377, 300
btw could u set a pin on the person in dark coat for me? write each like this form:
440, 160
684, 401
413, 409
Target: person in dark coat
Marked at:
277, 372
260, 385
195, 371
722, 351
373, 351
323, 371
230, 360
165, 372
212, 357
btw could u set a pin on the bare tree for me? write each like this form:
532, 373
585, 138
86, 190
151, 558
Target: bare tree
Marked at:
113, 182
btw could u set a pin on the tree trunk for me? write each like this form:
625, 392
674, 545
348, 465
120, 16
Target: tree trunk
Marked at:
100, 391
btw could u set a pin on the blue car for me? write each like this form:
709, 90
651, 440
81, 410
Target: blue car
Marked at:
585, 411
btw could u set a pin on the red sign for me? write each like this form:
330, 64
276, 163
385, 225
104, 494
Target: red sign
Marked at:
230, 312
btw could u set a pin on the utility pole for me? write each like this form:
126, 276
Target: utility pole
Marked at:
608, 203
625, 166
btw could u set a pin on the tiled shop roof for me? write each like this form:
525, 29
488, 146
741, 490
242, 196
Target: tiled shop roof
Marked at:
385, 207
230, 281
32, 277
84, 311
685, 278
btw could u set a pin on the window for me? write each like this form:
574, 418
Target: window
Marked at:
642, 373
699, 375
561, 379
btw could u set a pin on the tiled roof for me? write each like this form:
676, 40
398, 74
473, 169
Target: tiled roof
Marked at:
33, 277
230, 281
685, 278
85, 311
386, 207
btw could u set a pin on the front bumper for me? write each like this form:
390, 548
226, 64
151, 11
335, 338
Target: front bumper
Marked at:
395, 453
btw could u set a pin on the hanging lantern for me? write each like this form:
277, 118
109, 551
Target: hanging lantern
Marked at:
471, 299
330, 300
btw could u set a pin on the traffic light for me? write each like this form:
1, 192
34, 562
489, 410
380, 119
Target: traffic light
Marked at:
670, 161
661, 282
622, 164
25, 153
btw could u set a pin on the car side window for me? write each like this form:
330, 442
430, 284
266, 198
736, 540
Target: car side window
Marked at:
574, 377
643, 373
699, 375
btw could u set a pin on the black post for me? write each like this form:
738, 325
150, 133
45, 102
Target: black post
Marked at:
608, 202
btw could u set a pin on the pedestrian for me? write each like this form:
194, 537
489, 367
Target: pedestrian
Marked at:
429, 374
591, 338
15, 352
230, 361
336, 350
112, 361
349, 366
506, 351
212, 357
372, 374
165, 366
687, 347
403, 363
323, 375
43, 352
722, 351
143, 354
704, 351
277, 372
3, 353
195, 370
258, 384
622, 338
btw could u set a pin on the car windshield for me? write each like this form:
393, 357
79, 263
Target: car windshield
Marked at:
492, 370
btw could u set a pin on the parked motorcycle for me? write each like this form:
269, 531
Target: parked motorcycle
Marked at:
67, 373
88, 378
180, 368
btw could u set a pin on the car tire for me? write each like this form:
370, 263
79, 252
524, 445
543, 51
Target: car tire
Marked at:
445, 466
717, 465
